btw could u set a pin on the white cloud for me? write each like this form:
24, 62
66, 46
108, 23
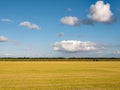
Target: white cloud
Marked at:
100, 12
14, 42
69, 9
70, 20
3, 39
27, 49
29, 25
76, 46
7, 54
61, 34
117, 52
6, 20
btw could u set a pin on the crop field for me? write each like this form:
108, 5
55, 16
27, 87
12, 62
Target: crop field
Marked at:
59, 75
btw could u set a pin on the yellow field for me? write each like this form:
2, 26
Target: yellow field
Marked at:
60, 75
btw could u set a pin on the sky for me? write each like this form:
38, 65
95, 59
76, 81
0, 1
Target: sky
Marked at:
59, 28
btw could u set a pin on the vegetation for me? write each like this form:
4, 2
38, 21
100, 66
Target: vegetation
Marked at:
59, 59
58, 75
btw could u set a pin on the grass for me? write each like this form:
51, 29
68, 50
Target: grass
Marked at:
60, 75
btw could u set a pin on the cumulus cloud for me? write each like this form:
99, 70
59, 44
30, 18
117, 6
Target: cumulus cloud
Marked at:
100, 12
29, 25
3, 39
76, 46
70, 20
6, 20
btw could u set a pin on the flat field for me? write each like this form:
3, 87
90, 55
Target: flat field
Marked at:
59, 75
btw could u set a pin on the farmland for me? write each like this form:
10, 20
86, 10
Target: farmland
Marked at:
59, 75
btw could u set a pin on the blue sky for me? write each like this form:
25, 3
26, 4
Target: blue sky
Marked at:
59, 28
